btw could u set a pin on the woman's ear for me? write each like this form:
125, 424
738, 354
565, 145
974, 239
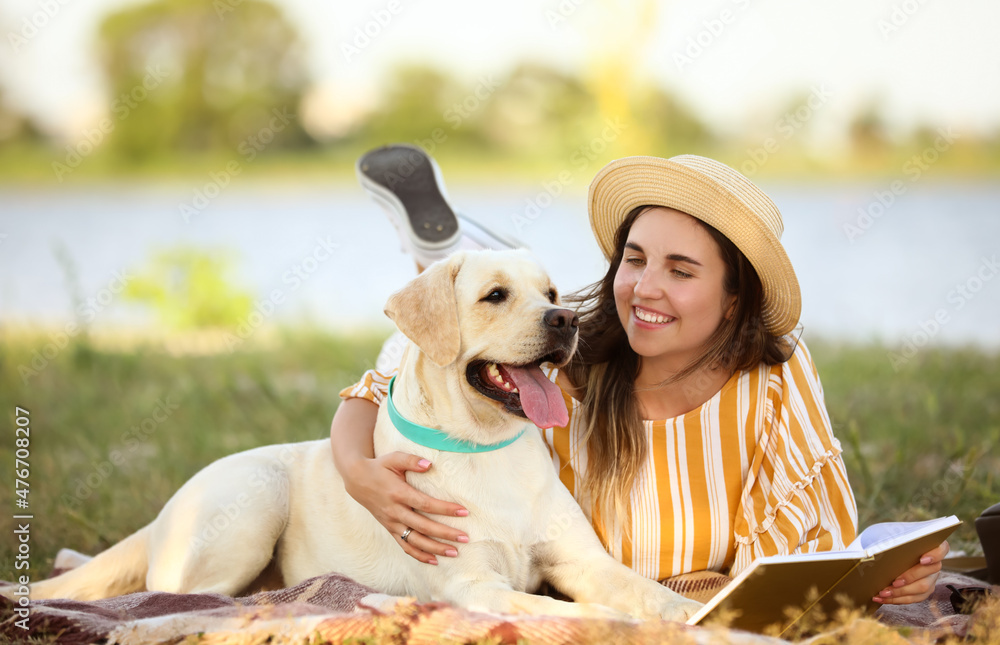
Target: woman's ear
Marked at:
730, 306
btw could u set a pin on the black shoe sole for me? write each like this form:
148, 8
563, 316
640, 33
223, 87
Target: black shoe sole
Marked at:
406, 172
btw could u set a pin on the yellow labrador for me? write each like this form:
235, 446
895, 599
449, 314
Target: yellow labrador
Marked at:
480, 323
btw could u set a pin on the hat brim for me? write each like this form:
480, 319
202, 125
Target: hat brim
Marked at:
628, 183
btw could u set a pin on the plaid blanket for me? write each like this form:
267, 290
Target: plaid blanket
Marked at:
332, 608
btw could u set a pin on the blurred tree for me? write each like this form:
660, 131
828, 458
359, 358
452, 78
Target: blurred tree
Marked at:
669, 127
14, 126
421, 100
192, 75
540, 110
621, 35
867, 131
991, 147
191, 289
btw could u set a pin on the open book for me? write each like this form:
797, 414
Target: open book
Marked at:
776, 592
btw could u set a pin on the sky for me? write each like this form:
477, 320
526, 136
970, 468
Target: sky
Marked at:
733, 61
736, 63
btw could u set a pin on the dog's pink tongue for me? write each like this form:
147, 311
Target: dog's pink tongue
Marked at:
541, 399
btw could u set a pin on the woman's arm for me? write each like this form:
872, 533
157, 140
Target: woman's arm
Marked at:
379, 484
802, 510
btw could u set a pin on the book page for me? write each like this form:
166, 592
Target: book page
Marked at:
886, 534
763, 593
878, 572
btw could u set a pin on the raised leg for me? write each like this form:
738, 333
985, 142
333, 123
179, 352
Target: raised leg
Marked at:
407, 183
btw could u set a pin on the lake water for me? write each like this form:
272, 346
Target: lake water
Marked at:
932, 253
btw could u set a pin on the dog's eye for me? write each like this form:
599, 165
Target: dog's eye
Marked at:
552, 296
497, 295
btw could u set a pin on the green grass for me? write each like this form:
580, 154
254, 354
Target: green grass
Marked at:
114, 434
920, 443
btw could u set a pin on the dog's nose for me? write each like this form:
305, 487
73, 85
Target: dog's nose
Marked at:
563, 319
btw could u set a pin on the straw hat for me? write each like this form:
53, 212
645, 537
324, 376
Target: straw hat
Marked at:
717, 195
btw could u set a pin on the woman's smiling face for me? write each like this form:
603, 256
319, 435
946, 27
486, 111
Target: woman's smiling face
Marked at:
669, 288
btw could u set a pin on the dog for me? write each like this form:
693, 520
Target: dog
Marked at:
480, 324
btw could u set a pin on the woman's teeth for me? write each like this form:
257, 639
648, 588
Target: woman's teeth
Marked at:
650, 317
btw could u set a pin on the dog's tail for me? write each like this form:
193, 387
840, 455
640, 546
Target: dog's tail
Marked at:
119, 570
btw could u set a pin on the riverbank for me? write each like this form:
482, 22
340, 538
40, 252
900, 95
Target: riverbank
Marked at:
42, 164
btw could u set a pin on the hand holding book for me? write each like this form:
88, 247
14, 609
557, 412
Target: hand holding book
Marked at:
916, 584
776, 592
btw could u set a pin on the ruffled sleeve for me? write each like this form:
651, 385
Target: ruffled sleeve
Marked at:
796, 498
373, 386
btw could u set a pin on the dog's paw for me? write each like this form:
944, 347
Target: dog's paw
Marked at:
681, 609
669, 606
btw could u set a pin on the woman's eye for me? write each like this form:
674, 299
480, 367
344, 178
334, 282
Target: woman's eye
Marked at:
634, 261
497, 295
681, 274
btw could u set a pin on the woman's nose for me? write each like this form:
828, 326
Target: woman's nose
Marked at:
647, 285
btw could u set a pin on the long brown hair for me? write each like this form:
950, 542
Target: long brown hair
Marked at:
605, 367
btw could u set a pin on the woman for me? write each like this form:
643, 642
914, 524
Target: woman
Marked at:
698, 438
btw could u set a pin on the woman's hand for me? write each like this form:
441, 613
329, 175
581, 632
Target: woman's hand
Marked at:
917, 583
380, 486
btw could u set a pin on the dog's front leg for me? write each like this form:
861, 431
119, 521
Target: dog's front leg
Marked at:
574, 561
498, 597
474, 581
601, 579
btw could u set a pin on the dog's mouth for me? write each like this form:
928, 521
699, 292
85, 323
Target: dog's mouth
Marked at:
523, 390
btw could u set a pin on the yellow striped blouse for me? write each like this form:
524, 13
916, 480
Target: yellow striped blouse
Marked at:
754, 471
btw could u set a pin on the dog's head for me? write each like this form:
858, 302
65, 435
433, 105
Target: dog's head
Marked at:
492, 317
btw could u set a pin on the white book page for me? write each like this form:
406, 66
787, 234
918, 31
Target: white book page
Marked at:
888, 534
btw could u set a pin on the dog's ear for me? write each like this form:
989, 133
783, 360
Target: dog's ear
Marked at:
426, 311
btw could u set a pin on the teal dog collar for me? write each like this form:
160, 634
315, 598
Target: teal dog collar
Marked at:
435, 439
